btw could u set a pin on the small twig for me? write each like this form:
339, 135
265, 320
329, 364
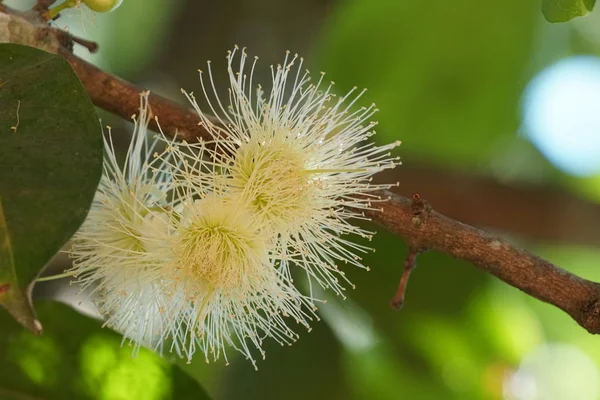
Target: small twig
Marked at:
409, 264
88, 44
420, 211
67, 40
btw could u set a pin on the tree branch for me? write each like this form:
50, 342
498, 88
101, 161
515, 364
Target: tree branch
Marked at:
123, 99
411, 219
541, 213
424, 228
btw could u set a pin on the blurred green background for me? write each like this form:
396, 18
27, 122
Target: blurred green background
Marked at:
498, 112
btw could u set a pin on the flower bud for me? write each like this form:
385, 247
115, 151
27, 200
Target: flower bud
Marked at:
102, 5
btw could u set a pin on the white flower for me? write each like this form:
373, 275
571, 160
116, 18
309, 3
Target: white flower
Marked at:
299, 158
110, 251
177, 267
193, 250
221, 265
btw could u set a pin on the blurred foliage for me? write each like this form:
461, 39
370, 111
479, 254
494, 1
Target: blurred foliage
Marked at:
447, 79
566, 10
49, 174
129, 37
316, 357
76, 359
136, 30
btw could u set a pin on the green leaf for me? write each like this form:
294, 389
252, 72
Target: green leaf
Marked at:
14, 299
77, 359
50, 165
566, 10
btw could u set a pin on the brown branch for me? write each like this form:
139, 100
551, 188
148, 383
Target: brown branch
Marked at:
412, 219
539, 278
122, 98
541, 213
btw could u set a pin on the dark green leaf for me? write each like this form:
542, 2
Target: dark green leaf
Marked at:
566, 10
76, 359
50, 165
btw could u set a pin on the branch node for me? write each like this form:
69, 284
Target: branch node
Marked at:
409, 264
420, 210
591, 316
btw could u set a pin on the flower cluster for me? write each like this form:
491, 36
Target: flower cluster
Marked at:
196, 246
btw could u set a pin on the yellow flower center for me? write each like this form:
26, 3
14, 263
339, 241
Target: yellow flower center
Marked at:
271, 176
218, 248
